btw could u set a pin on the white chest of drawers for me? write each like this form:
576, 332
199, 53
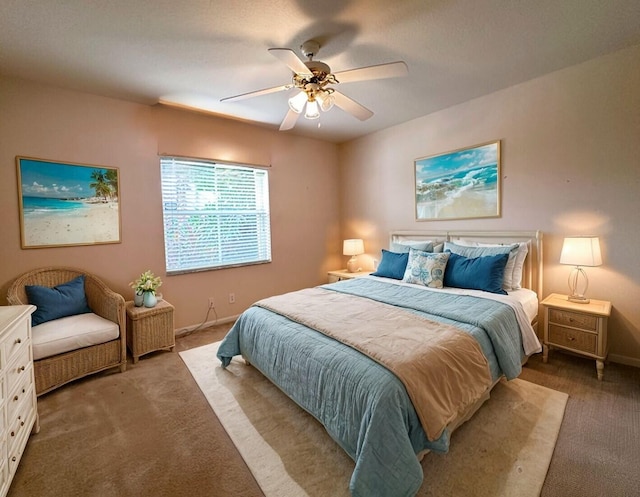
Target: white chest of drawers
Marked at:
18, 404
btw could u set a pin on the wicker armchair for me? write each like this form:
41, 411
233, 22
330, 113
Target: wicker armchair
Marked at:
52, 372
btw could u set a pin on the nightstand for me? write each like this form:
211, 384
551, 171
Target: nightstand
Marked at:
344, 274
579, 328
149, 328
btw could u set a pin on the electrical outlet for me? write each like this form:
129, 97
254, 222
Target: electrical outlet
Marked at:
232, 298
212, 302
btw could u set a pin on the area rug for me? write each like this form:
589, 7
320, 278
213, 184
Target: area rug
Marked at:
504, 450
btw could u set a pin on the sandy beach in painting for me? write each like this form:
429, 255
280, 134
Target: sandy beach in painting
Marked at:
474, 202
94, 222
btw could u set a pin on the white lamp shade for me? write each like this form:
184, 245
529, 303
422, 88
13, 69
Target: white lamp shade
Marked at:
353, 247
312, 111
581, 251
325, 100
296, 103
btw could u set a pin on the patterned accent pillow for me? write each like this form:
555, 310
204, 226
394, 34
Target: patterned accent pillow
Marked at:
426, 268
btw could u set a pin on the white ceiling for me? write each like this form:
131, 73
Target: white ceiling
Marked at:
195, 52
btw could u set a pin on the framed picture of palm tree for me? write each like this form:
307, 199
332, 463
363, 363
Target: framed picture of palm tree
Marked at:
67, 204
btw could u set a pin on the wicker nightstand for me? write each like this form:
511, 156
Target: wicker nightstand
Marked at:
149, 328
579, 328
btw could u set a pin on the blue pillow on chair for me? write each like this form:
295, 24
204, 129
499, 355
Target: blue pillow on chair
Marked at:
392, 265
67, 299
480, 273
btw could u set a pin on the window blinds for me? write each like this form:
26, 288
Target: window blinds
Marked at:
215, 215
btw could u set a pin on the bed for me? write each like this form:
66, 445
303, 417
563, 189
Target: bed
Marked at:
391, 367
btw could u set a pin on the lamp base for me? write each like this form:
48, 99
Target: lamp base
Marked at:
578, 299
352, 265
577, 290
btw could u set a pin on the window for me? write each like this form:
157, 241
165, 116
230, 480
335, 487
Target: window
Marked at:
215, 215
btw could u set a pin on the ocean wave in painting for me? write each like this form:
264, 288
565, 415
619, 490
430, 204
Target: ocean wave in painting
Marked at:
38, 206
474, 189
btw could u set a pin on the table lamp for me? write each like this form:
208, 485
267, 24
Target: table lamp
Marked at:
353, 248
580, 251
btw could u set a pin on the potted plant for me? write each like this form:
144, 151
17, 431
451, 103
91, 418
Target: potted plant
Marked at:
145, 289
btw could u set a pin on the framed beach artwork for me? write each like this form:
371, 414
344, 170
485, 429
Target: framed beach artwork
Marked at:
461, 184
65, 204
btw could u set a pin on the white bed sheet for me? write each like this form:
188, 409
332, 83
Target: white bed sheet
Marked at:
524, 302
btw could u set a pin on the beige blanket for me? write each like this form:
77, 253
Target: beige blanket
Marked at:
442, 368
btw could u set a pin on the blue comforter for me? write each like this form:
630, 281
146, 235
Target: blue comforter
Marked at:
363, 406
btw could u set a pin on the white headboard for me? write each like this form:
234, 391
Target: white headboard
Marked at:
532, 272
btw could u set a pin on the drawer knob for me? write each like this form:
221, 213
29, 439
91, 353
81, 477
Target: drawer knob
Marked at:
20, 369
15, 398
13, 459
13, 433
571, 339
18, 340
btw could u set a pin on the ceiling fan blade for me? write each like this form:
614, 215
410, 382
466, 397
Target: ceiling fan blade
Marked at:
390, 70
257, 93
289, 120
351, 106
294, 62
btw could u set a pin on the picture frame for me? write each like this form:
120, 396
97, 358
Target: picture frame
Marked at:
460, 184
67, 204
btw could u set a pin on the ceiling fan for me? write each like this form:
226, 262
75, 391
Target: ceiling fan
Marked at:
314, 80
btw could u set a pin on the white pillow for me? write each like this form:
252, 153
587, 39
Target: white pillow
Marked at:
512, 279
521, 255
425, 245
403, 246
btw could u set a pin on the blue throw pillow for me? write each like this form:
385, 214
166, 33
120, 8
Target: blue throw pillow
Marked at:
484, 250
60, 301
480, 273
392, 265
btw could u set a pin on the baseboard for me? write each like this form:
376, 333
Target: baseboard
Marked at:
623, 359
188, 329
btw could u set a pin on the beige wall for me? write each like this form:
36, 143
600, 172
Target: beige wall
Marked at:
570, 166
48, 123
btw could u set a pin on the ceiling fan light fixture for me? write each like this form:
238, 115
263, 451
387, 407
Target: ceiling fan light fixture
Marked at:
326, 100
313, 81
296, 103
312, 111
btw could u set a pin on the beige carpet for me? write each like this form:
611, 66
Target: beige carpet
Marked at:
504, 450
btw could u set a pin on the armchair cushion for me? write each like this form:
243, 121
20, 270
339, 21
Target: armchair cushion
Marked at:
67, 299
71, 333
